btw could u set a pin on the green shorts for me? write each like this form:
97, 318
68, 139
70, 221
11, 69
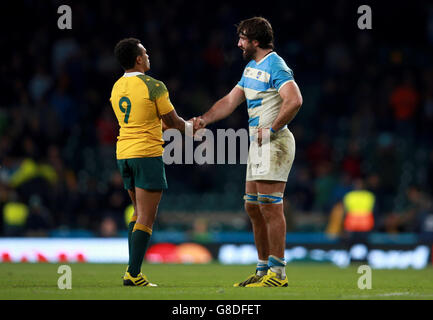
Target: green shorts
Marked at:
144, 173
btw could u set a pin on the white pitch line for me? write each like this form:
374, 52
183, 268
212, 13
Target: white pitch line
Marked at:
390, 294
393, 294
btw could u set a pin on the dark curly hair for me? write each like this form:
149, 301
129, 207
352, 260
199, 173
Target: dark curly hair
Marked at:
126, 51
257, 28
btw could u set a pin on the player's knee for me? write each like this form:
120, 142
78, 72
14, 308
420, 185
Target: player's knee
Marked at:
252, 206
251, 198
271, 205
253, 211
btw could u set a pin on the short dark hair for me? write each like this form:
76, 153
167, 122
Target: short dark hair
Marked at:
257, 28
126, 52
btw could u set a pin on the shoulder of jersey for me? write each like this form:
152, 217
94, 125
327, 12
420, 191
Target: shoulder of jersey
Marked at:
156, 87
149, 81
279, 62
275, 58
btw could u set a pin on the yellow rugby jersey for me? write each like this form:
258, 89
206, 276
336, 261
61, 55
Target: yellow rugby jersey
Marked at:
139, 101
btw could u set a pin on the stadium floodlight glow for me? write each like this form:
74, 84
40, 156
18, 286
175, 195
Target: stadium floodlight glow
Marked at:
399, 259
57, 250
376, 258
298, 252
340, 258
359, 251
115, 250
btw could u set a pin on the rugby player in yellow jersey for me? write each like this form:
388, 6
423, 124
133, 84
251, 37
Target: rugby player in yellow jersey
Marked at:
142, 107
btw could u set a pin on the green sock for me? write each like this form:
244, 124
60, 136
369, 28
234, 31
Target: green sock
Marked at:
139, 242
130, 228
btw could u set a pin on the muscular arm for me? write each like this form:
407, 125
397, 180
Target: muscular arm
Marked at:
292, 102
224, 107
172, 120
164, 126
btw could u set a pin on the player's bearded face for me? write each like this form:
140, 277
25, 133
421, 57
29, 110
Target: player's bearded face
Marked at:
247, 47
249, 52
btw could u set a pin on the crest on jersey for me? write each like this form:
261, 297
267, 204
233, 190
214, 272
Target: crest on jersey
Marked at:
256, 74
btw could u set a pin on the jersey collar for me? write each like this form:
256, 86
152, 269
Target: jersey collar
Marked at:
264, 58
132, 74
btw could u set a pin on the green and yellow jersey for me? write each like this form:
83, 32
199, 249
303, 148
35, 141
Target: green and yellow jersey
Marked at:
139, 101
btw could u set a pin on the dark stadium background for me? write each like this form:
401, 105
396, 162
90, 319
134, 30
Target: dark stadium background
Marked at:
54, 111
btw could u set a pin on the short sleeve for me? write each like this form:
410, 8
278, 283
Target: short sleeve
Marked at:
163, 104
159, 94
240, 84
280, 74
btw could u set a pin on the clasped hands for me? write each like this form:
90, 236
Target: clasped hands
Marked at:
199, 123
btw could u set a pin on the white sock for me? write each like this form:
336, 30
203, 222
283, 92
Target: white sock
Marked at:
262, 268
280, 271
278, 265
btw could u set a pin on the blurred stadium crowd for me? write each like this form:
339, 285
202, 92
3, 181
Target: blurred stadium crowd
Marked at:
367, 113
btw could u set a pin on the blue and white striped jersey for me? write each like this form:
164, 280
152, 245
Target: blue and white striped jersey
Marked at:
261, 82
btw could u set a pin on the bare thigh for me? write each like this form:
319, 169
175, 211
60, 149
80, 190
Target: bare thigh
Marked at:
268, 187
250, 187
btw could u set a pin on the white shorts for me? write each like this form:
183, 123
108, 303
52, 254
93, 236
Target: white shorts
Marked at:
273, 161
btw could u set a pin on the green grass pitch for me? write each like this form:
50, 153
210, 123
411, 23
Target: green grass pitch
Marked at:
308, 281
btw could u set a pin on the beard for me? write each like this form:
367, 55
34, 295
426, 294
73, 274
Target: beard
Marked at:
249, 54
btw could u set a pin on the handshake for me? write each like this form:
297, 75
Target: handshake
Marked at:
198, 123
193, 125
